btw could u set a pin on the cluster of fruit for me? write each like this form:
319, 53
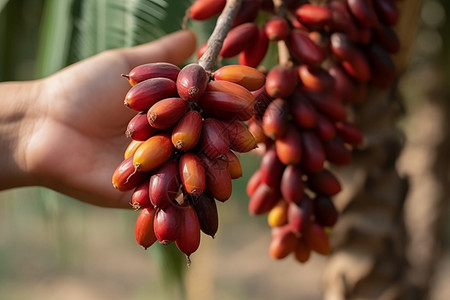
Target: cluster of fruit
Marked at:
330, 52
182, 155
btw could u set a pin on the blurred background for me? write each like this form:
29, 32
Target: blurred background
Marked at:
53, 247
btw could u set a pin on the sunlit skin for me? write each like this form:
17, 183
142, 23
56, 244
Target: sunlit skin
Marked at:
66, 132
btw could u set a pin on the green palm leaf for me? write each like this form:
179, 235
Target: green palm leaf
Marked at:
2, 4
107, 24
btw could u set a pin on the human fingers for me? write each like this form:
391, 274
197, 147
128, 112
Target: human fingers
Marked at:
174, 48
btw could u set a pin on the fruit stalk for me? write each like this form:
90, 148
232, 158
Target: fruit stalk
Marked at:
284, 58
215, 41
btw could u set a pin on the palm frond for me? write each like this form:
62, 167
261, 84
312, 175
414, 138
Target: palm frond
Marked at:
2, 4
107, 24
54, 37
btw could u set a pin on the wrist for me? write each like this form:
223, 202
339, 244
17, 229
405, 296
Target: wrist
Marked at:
18, 117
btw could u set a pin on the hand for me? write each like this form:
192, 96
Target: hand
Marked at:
72, 136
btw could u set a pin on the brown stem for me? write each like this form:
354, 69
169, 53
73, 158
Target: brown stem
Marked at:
284, 57
215, 41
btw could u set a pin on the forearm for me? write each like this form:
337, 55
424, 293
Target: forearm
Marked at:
16, 105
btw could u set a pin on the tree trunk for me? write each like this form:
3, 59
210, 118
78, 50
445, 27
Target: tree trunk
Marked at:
368, 261
426, 162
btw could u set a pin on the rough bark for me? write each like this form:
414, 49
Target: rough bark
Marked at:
426, 162
368, 261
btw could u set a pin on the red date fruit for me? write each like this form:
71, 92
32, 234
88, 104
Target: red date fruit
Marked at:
303, 112
344, 87
218, 179
206, 209
225, 106
303, 48
342, 20
275, 119
283, 242
205, 9
313, 16
143, 232
192, 174
139, 129
187, 132
153, 152
289, 146
152, 70
233, 165
328, 105
281, 81
325, 128
166, 113
214, 141
358, 67
248, 11
238, 39
299, 215
313, 152
336, 151
254, 54
387, 11
191, 82
316, 238
302, 251
231, 88
248, 77
167, 224
188, 240
131, 149
349, 133
240, 138
125, 177
276, 28
263, 200
364, 12
292, 184
325, 213
324, 183
146, 93
315, 78
140, 197
271, 169
262, 101
387, 38
164, 184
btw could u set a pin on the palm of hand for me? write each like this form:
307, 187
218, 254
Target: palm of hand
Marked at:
75, 138
85, 129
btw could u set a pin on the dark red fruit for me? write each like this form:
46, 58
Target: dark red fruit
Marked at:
139, 129
191, 82
324, 183
299, 215
143, 232
313, 152
188, 240
146, 93
153, 70
263, 200
206, 209
325, 212
292, 184
140, 197
214, 141
164, 184
125, 177
167, 224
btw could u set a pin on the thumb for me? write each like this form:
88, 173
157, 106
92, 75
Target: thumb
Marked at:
173, 48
